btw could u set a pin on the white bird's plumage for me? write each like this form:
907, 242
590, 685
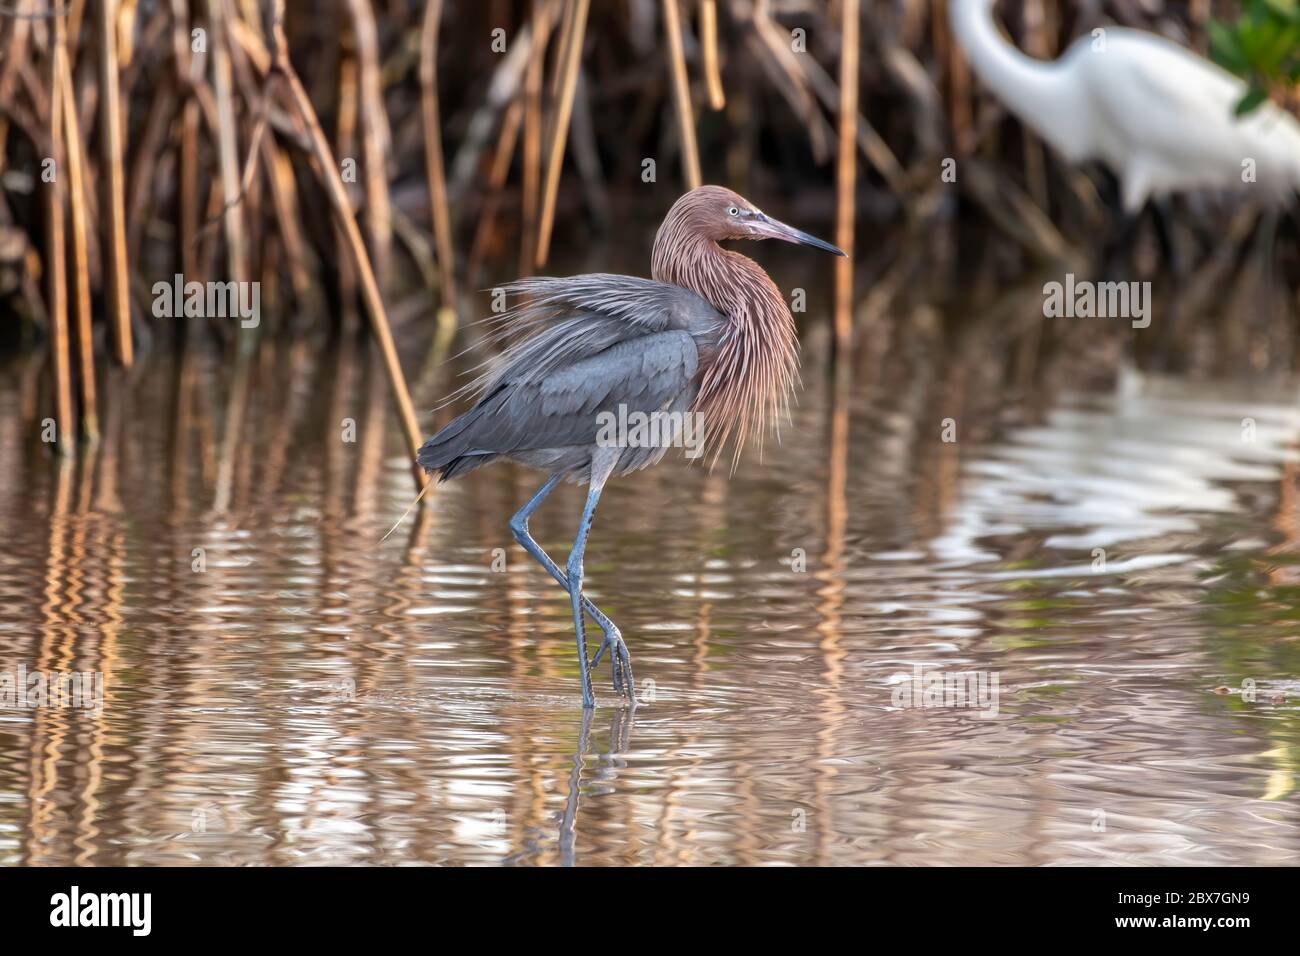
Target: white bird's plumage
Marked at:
1161, 117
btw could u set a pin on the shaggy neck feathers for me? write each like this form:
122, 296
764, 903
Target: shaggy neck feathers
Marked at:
747, 384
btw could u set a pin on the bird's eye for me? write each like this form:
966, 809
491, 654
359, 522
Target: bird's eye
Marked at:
733, 211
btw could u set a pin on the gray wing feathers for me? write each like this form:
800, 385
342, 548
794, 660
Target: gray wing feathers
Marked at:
644, 303
561, 408
581, 315
597, 342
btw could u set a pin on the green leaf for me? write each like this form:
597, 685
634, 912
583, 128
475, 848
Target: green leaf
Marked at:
1255, 41
1251, 101
1287, 9
1225, 49
1282, 44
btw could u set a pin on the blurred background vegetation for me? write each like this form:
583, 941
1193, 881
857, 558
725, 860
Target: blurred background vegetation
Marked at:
473, 142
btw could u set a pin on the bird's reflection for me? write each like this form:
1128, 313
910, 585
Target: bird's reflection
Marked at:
608, 766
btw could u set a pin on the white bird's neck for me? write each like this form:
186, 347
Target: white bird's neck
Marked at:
1039, 93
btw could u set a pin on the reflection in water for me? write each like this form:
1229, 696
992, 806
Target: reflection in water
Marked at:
282, 687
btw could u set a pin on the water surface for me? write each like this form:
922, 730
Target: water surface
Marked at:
284, 688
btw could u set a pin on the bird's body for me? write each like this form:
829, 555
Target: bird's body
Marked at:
607, 341
710, 335
1162, 118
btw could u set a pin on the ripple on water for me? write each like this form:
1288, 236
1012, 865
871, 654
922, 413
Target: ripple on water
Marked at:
314, 696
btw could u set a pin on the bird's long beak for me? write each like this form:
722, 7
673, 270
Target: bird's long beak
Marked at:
775, 229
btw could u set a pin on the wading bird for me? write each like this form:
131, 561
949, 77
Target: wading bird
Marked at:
710, 334
1162, 118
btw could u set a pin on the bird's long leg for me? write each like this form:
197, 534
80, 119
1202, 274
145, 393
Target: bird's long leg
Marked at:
602, 463
619, 656
1164, 214
1268, 221
1118, 250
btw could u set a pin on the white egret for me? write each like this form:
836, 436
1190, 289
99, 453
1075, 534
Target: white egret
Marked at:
1162, 118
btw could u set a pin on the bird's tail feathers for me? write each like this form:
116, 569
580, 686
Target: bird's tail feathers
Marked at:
451, 453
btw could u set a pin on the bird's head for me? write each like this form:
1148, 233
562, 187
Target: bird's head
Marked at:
717, 213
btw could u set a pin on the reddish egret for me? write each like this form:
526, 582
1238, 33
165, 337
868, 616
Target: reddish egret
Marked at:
710, 335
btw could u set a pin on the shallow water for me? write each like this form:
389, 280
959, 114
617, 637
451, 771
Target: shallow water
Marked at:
280, 687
